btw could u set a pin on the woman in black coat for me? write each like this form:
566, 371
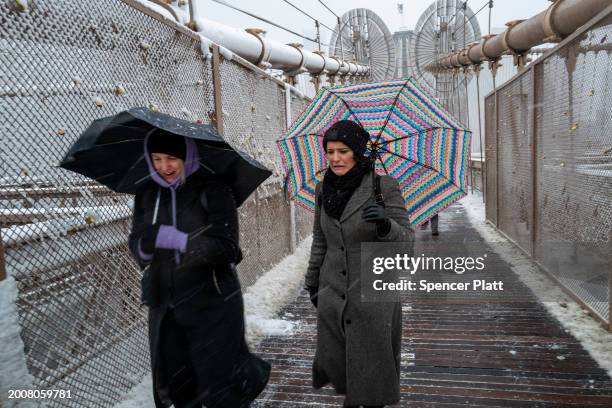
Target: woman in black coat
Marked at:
185, 228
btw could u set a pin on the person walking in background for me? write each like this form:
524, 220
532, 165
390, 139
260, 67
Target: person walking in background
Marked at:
185, 228
358, 343
434, 225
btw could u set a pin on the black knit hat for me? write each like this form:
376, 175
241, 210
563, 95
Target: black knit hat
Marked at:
350, 133
164, 142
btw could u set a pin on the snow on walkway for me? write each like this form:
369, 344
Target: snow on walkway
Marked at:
262, 303
593, 337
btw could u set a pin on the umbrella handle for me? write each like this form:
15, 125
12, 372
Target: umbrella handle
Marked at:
378, 195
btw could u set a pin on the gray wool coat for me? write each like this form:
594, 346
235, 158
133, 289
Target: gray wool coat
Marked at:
358, 343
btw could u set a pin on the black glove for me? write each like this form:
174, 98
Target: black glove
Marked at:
376, 213
148, 237
313, 292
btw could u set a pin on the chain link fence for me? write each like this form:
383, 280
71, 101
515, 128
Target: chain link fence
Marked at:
64, 64
549, 163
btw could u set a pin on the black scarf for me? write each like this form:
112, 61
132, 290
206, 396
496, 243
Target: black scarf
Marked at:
337, 190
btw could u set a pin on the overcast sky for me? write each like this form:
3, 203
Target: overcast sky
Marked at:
282, 13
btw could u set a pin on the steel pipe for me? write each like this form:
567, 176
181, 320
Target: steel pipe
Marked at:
254, 47
561, 19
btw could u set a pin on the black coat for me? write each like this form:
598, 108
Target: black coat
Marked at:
200, 294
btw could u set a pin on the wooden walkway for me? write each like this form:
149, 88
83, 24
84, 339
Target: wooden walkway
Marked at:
457, 354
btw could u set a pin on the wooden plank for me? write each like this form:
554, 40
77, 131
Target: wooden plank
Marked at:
512, 395
462, 351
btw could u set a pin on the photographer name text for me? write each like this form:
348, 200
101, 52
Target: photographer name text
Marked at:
424, 285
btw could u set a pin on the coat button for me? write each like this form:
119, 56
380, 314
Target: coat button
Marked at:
343, 296
343, 273
342, 248
348, 321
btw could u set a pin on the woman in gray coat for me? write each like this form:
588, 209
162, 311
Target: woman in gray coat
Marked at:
358, 343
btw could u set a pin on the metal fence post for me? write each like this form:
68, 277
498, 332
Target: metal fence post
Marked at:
497, 223
2, 262
216, 73
483, 162
534, 165
292, 220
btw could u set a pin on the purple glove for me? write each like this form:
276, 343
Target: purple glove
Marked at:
169, 237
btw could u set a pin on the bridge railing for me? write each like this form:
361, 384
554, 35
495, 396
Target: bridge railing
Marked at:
64, 64
549, 163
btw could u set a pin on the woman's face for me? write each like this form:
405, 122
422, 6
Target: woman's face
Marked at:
340, 158
169, 167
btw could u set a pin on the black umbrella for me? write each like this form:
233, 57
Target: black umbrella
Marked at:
111, 151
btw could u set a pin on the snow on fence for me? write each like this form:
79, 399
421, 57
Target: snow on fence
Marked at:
63, 240
548, 158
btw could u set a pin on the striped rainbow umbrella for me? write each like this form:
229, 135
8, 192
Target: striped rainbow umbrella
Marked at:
414, 138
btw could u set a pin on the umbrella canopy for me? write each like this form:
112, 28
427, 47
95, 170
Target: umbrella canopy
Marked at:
414, 139
111, 151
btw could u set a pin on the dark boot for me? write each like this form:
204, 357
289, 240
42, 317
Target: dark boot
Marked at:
434, 225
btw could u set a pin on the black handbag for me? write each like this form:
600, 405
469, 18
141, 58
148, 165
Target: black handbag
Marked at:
149, 286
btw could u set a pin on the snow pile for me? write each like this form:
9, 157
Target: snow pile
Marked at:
205, 45
14, 374
264, 299
227, 54
157, 8
181, 8
593, 337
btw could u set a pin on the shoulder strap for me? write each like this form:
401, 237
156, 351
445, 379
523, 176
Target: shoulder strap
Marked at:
156, 206
378, 195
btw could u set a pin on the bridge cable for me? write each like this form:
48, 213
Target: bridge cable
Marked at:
330, 10
474, 15
340, 26
308, 15
317, 22
490, 8
267, 21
